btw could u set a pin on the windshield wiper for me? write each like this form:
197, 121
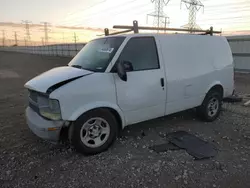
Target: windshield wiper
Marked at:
77, 66
80, 67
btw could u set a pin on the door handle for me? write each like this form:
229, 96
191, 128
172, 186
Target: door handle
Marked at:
162, 82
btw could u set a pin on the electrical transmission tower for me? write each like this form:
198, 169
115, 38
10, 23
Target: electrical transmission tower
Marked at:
75, 39
193, 6
15, 36
3, 37
160, 18
27, 29
46, 31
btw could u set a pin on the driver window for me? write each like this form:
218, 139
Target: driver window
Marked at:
141, 52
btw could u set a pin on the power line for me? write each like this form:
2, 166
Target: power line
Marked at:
131, 9
232, 9
108, 10
223, 5
128, 11
226, 18
85, 9
90, 7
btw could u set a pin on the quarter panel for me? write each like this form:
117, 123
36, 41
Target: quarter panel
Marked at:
193, 63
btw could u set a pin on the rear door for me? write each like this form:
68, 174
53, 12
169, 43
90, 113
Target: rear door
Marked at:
143, 95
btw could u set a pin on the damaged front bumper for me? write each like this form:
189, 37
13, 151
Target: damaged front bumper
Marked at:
45, 129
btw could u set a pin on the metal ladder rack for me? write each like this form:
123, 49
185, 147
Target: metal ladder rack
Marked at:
136, 29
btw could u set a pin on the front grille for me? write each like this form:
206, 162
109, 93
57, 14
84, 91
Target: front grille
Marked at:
34, 107
33, 95
33, 100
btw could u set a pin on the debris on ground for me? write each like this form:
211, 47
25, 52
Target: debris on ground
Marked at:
247, 103
164, 147
194, 146
233, 98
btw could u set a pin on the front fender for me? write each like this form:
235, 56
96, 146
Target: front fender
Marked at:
78, 112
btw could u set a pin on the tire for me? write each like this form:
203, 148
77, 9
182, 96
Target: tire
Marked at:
85, 133
205, 110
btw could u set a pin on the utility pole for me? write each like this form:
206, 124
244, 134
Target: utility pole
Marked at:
160, 18
25, 41
15, 35
3, 37
27, 29
193, 6
42, 41
46, 30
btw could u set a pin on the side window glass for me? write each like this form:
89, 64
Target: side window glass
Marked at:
141, 52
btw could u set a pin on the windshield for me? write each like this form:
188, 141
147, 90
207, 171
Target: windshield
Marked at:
97, 54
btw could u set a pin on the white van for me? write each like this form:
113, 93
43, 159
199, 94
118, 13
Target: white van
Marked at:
121, 80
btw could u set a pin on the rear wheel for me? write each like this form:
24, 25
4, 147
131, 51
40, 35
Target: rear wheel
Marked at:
211, 106
94, 131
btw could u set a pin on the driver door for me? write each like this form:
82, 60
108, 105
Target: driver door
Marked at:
143, 95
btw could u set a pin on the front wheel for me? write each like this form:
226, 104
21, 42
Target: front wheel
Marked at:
211, 106
94, 131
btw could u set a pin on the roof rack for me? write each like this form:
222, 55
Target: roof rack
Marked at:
136, 29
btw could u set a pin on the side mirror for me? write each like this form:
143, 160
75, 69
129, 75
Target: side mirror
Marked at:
121, 70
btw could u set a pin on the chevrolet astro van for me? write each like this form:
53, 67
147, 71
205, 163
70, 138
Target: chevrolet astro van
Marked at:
116, 81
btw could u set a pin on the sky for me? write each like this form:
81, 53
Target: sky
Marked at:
225, 15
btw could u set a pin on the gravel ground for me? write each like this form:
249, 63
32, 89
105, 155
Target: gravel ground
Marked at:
27, 161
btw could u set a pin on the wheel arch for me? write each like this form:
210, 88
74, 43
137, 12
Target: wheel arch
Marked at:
216, 86
114, 109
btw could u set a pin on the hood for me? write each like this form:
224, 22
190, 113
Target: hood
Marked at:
56, 76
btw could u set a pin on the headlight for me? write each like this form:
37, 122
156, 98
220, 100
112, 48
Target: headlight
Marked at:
49, 108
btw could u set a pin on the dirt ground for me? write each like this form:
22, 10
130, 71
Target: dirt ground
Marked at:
27, 161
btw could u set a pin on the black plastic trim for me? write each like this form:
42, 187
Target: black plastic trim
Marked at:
60, 84
241, 54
